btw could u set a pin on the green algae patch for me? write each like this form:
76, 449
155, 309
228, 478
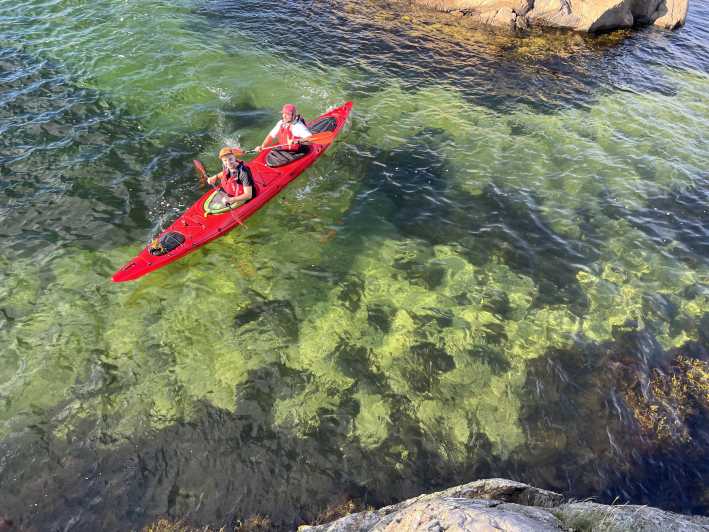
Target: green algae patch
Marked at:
573, 160
637, 283
372, 424
303, 413
459, 364
57, 330
20, 286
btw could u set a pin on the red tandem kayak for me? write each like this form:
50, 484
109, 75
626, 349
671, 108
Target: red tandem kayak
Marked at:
200, 224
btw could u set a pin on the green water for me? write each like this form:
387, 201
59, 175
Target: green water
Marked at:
496, 204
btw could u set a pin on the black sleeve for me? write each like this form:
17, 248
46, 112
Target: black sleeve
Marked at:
245, 176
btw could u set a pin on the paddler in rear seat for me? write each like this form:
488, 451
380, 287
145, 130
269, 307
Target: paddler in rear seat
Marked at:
235, 179
287, 134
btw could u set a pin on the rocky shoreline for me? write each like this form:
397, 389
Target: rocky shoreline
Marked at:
500, 504
589, 16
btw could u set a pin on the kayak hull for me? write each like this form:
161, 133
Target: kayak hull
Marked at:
199, 229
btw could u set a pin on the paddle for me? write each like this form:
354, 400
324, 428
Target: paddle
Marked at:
201, 171
326, 137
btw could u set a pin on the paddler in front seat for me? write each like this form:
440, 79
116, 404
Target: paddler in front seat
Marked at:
236, 182
287, 134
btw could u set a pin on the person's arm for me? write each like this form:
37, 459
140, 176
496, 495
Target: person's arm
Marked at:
300, 131
213, 179
266, 142
243, 197
271, 137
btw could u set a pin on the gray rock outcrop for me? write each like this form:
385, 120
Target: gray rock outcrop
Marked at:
500, 504
579, 15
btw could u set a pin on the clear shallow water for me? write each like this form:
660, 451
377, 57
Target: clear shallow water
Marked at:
484, 277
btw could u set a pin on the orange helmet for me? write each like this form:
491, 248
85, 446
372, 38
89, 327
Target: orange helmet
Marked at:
226, 151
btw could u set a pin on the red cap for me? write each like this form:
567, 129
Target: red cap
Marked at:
288, 108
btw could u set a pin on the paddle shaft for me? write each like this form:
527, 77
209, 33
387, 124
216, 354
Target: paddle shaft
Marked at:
326, 137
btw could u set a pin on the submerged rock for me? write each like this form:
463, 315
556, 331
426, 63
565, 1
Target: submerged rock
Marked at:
500, 504
580, 15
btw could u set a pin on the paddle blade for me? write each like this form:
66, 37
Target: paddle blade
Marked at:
201, 171
326, 137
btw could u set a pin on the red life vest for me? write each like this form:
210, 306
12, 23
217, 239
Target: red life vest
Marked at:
284, 135
231, 185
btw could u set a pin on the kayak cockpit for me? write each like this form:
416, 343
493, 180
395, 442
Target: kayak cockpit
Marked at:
215, 203
166, 243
